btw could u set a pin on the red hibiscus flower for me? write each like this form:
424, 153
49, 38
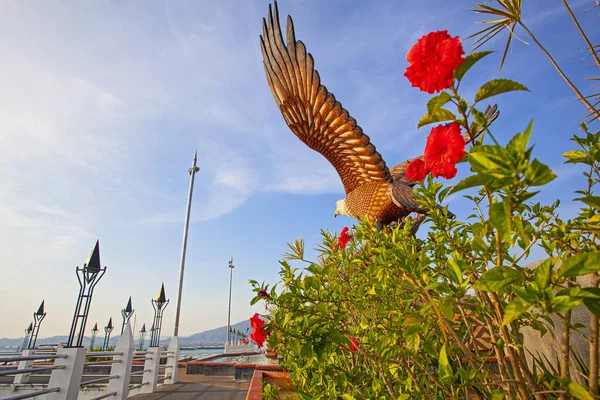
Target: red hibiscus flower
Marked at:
258, 331
416, 170
344, 238
432, 61
444, 148
353, 343
263, 293
256, 322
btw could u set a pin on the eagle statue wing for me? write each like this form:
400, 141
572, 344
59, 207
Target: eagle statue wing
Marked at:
313, 113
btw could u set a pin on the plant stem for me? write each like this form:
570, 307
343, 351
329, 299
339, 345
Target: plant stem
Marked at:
504, 372
581, 97
593, 378
444, 326
583, 35
564, 353
522, 386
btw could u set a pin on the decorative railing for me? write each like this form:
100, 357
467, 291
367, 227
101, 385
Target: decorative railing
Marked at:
68, 364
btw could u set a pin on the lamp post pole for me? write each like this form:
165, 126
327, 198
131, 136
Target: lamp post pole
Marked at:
93, 339
159, 304
142, 337
26, 337
107, 330
231, 267
88, 277
192, 172
38, 316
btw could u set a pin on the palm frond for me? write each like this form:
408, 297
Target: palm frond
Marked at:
296, 250
508, 15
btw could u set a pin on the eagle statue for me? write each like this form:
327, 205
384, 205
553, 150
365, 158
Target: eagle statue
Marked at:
373, 191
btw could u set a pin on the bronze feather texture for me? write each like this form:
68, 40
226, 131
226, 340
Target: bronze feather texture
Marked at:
315, 116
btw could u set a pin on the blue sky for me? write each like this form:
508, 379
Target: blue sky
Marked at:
103, 104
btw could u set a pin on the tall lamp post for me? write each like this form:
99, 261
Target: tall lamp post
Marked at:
192, 172
152, 329
142, 337
126, 313
88, 277
94, 333
231, 267
26, 337
38, 316
107, 330
159, 304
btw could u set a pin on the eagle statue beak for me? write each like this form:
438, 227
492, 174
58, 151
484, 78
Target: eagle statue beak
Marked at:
335, 214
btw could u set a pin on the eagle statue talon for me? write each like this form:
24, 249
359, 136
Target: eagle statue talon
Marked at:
314, 115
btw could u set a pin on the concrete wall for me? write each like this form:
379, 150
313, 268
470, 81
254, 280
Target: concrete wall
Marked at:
219, 369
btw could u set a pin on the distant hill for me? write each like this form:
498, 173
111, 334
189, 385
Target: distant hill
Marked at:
212, 337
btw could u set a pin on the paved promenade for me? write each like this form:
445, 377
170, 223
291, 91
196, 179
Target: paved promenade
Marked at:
192, 387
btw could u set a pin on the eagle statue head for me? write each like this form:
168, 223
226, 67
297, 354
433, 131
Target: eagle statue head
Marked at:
340, 208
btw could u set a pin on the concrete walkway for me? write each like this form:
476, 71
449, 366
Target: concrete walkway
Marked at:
191, 387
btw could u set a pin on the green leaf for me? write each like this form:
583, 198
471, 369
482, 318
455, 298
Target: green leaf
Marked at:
528, 292
440, 115
413, 339
255, 300
538, 174
581, 264
561, 304
454, 272
518, 144
444, 368
470, 60
586, 293
347, 396
577, 157
514, 310
592, 201
436, 102
471, 181
497, 86
543, 273
593, 305
579, 392
447, 307
496, 279
490, 160
500, 219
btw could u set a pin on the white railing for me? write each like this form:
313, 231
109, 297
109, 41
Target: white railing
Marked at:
66, 374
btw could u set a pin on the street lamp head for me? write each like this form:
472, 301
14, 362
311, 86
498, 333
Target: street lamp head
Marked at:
95, 328
92, 266
143, 329
40, 310
128, 308
29, 328
161, 299
231, 263
109, 326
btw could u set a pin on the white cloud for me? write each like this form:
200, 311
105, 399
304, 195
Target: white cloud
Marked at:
99, 103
